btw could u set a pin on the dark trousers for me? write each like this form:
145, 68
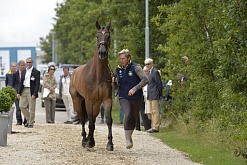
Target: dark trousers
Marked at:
145, 120
131, 111
18, 112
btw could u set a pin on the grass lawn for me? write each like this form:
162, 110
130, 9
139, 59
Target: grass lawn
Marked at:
201, 148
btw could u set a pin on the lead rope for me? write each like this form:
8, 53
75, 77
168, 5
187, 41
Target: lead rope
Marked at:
112, 75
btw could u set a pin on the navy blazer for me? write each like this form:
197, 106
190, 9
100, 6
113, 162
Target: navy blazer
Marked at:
16, 80
34, 82
154, 89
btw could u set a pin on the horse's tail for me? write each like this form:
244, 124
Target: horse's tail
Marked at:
84, 116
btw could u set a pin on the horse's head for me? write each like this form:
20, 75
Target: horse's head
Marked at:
103, 40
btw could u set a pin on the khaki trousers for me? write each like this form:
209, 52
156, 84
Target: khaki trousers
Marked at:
50, 108
154, 107
28, 105
68, 105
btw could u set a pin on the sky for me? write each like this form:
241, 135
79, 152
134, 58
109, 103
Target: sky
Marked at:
23, 22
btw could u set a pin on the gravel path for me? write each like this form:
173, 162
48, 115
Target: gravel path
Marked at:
60, 144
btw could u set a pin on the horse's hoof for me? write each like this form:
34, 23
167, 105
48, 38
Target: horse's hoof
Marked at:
109, 147
84, 144
90, 144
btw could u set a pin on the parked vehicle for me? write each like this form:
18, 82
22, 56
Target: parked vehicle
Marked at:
69, 65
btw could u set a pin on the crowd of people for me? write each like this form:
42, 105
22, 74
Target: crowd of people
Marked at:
26, 81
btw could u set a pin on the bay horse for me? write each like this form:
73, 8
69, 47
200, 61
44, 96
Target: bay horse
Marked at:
91, 85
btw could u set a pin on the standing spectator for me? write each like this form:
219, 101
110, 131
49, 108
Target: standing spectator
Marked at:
145, 110
154, 94
64, 84
131, 79
162, 98
28, 92
121, 114
16, 84
9, 75
50, 84
182, 74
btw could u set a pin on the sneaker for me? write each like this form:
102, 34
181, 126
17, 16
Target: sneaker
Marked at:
68, 122
152, 131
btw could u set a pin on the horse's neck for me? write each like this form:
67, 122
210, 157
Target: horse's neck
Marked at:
100, 66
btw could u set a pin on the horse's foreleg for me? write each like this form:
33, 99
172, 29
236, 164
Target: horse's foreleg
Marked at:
108, 108
84, 118
84, 135
91, 126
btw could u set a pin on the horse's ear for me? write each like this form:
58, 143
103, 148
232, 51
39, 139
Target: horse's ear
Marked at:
97, 25
109, 25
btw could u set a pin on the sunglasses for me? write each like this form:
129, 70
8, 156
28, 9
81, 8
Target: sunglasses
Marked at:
52, 69
28, 62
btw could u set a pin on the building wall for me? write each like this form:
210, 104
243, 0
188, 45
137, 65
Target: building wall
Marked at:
14, 54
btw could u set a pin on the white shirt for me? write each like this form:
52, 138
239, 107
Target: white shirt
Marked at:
145, 92
66, 82
26, 82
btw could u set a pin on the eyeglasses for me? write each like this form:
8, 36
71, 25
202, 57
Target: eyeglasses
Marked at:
52, 69
28, 62
147, 64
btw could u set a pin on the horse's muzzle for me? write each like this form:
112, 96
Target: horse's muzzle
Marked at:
102, 53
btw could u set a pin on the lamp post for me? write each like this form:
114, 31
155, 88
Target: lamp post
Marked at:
146, 34
53, 46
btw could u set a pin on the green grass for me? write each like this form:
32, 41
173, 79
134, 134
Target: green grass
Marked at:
203, 148
200, 149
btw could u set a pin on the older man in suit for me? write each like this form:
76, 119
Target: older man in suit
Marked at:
28, 92
154, 94
16, 84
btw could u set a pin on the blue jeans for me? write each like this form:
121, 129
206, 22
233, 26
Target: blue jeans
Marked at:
18, 111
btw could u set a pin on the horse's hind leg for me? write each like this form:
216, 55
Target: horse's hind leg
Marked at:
108, 108
84, 120
79, 105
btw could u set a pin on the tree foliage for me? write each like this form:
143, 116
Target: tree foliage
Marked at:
75, 29
213, 35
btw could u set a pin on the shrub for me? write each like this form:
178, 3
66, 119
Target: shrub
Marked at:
11, 91
5, 101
